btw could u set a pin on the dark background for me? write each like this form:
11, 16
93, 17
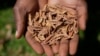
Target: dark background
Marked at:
90, 44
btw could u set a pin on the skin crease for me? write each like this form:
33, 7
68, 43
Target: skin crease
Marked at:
65, 47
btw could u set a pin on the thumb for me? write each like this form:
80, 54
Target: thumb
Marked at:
19, 14
21, 8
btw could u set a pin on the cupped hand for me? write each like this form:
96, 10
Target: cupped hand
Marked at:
64, 47
21, 10
69, 47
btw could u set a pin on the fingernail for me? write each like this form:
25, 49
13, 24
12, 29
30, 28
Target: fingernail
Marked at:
16, 34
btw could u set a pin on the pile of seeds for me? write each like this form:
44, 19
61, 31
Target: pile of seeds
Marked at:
53, 23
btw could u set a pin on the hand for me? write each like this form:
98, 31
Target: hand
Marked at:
66, 47
21, 10
30, 6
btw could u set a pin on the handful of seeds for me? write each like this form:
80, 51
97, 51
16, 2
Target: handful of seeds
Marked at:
53, 23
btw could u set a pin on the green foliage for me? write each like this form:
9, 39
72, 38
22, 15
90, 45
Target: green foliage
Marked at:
9, 45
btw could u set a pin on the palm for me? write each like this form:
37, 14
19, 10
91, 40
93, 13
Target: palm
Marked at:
31, 6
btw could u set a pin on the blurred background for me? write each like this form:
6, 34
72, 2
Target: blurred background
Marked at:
89, 43
9, 45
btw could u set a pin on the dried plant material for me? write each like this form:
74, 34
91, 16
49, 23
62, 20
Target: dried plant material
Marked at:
53, 23
30, 23
37, 39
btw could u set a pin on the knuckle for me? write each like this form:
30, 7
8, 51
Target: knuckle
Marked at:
17, 8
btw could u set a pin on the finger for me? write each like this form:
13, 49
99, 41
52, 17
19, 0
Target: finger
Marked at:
47, 49
55, 47
34, 44
63, 49
82, 23
82, 12
73, 45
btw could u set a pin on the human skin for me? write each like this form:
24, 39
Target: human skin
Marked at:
64, 47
